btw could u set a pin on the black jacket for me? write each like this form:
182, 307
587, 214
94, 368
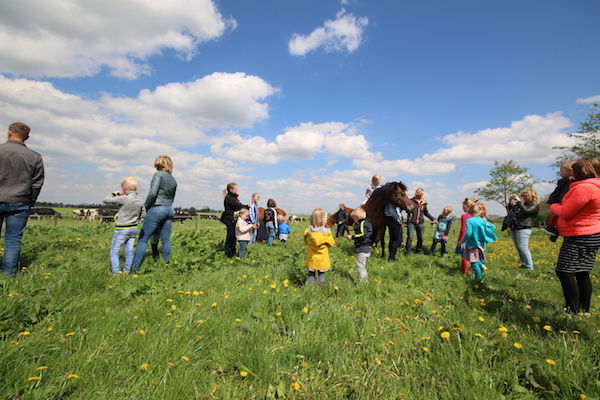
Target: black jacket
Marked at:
562, 187
526, 214
231, 204
363, 236
419, 212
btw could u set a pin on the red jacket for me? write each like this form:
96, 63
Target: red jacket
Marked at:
579, 212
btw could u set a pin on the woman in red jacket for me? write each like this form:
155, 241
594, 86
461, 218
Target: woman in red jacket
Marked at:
579, 222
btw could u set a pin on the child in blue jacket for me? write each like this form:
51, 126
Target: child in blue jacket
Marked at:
479, 233
284, 228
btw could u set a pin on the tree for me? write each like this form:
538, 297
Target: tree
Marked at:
587, 140
506, 178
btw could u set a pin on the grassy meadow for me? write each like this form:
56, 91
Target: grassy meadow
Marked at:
206, 327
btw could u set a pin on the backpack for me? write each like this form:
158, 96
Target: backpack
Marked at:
269, 215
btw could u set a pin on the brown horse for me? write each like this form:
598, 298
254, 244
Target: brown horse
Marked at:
391, 192
261, 213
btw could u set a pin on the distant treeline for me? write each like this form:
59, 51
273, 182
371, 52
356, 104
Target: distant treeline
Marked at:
188, 210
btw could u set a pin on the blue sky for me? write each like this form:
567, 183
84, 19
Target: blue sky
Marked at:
299, 100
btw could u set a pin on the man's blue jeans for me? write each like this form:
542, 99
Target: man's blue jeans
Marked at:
159, 219
270, 233
122, 237
14, 219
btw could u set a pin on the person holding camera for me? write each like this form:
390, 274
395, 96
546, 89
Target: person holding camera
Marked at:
520, 220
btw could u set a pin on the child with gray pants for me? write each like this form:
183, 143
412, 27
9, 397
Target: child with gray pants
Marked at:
363, 238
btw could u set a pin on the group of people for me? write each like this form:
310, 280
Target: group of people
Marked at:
243, 221
575, 205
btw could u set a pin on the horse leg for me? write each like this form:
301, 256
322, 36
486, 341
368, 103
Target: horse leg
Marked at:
382, 242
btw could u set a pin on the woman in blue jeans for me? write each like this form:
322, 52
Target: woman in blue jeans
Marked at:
159, 211
526, 208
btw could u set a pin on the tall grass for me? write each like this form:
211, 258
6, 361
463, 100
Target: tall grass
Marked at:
208, 327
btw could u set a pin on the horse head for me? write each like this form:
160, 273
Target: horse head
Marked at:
397, 195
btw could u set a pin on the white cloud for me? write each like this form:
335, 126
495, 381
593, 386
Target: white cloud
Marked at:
123, 135
297, 143
589, 100
72, 38
530, 139
344, 33
470, 187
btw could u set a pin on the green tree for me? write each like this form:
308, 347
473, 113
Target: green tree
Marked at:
506, 178
587, 140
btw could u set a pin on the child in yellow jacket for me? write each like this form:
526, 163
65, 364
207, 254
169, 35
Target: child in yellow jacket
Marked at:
319, 239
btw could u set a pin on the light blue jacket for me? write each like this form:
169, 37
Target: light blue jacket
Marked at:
479, 233
391, 210
162, 190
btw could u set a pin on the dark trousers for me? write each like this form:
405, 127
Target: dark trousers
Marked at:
341, 228
434, 244
412, 227
577, 289
230, 241
395, 229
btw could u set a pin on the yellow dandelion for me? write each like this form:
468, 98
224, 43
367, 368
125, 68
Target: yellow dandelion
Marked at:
265, 291
425, 338
479, 335
34, 378
70, 333
142, 332
372, 334
286, 283
445, 335
243, 374
481, 319
185, 358
144, 366
336, 288
576, 332
502, 328
49, 329
295, 386
169, 300
170, 364
273, 285
504, 335
305, 309
550, 361
213, 305
42, 368
536, 319
518, 345
72, 376
547, 328
173, 307
25, 333
169, 314
278, 314
237, 320
425, 349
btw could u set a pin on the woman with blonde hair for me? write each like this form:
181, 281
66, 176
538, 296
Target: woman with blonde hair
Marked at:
526, 208
159, 211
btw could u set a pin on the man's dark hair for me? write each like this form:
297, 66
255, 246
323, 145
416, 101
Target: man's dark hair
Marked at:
20, 129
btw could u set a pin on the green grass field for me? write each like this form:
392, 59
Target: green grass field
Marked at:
206, 327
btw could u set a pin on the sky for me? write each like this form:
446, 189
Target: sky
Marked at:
301, 101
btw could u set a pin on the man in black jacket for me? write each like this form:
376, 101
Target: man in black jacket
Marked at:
231, 204
342, 216
21, 180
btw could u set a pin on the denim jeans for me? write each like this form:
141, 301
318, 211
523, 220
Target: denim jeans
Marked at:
411, 231
270, 233
395, 229
243, 246
14, 218
521, 239
122, 237
253, 236
159, 219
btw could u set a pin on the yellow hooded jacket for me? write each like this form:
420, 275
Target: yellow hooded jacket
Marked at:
317, 255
